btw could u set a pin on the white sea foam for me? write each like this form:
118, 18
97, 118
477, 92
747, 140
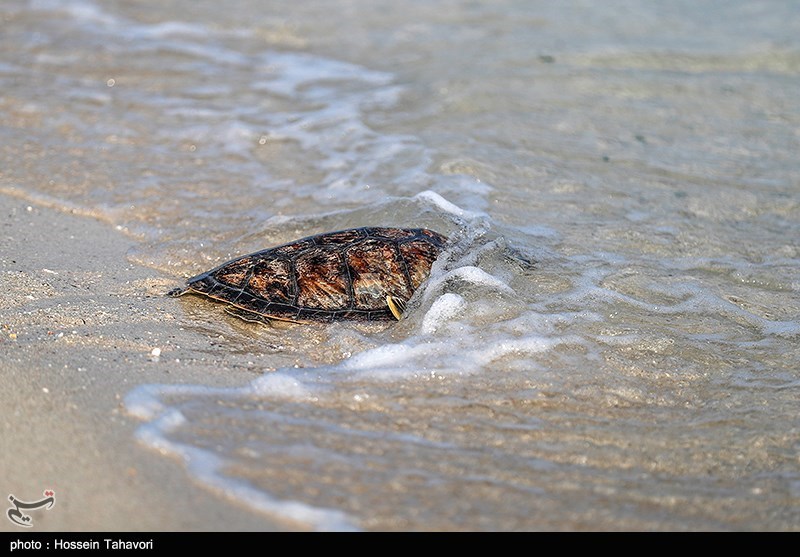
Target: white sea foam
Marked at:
147, 403
694, 297
292, 71
518, 346
144, 403
280, 385
444, 309
446, 206
207, 468
473, 275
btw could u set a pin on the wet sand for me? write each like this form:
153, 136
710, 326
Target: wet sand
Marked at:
78, 324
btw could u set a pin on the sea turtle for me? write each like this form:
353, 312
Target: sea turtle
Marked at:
363, 274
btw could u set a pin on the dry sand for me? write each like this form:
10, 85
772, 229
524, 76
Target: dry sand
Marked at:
78, 323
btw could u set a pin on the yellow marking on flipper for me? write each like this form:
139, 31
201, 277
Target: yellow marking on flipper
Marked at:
397, 306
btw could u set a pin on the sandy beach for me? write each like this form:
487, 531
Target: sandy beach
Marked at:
78, 325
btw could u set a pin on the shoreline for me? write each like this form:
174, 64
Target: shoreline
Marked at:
78, 323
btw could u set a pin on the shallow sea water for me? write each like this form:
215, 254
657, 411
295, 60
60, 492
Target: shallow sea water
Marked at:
610, 342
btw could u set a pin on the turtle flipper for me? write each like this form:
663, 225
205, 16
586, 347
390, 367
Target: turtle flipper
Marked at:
175, 292
249, 316
397, 306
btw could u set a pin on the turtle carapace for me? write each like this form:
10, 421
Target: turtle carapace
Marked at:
364, 274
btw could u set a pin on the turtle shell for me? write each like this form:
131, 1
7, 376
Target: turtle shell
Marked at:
338, 275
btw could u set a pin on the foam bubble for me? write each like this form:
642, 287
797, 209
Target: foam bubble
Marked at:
170, 420
143, 402
441, 203
279, 385
444, 309
522, 346
397, 356
476, 276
